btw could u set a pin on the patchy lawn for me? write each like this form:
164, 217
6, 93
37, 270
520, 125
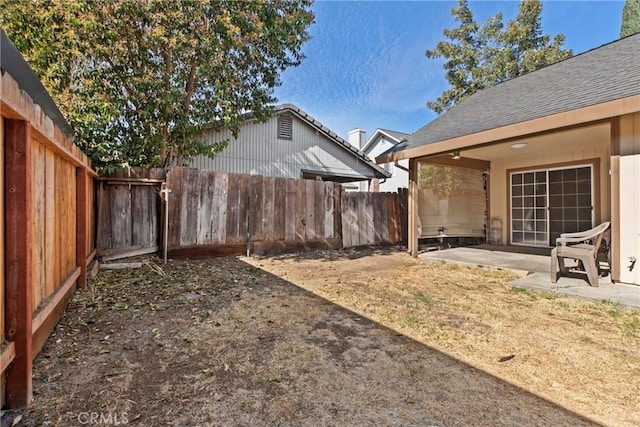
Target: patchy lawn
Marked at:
365, 338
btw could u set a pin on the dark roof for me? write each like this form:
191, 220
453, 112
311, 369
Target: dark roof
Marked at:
12, 62
603, 74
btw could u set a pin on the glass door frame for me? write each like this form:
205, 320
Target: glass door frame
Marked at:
593, 166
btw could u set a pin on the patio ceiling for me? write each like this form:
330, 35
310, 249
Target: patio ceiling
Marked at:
584, 137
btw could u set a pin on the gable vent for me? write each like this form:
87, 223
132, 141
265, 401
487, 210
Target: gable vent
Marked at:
285, 125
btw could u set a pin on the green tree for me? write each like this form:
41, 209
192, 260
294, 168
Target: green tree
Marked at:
478, 57
630, 18
139, 80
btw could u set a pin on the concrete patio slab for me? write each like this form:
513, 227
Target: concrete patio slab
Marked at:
534, 268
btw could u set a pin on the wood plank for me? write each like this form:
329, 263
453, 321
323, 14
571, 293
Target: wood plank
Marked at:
328, 210
55, 313
174, 184
120, 265
337, 210
219, 213
279, 208
361, 219
72, 203
268, 194
139, 216
130, 253
349, 220
120, 206
301, 215
18, 212
392, 218
205, 227
82, 218
243, 206
310, 210
7, 355
39, 223
52, 301
232, 209
255, 216
50, 223
319, 212
57, 214
290, 210
190, 206
384, 218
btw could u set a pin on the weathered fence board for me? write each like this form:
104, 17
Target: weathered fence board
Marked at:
370, 219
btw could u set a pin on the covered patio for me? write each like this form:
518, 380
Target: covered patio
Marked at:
533, 265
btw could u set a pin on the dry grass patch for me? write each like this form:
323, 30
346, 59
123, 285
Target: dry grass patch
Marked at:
581, 355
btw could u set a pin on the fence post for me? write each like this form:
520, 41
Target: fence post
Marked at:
82, 213
18, 274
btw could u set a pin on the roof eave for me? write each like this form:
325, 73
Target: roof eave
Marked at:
565, 119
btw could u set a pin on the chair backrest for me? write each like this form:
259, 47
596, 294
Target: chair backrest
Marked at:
598, 238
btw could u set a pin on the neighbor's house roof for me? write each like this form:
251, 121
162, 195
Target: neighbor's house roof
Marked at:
394, 137
307, 118
12, 61
607, 76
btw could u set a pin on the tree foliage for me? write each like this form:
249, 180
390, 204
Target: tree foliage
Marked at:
139, 80
630, 18
479, 56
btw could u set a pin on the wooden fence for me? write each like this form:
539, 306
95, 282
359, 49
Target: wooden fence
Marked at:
220, 213
129, 211
217, 213
48, 239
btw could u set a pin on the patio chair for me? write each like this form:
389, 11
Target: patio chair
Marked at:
583, 247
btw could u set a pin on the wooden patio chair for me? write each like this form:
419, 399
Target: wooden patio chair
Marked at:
583, 247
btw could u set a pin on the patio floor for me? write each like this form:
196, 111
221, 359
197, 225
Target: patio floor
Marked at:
533, 266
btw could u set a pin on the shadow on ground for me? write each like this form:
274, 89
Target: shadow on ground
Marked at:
219, 342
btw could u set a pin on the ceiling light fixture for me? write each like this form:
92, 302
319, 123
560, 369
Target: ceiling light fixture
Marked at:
519, 145
456, 155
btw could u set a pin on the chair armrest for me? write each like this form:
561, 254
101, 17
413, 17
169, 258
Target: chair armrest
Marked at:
562, 241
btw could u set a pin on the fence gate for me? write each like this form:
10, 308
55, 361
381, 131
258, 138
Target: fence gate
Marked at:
129, 212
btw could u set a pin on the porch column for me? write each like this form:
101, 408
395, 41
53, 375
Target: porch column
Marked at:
413, 208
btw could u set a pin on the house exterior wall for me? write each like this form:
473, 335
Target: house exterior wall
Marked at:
571, 148
399, 178
258, 151
629, 198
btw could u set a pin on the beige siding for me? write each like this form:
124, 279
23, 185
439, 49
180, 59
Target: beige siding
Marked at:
258, 151
573, 146
629, 170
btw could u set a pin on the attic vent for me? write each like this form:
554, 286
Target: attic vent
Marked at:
285, 125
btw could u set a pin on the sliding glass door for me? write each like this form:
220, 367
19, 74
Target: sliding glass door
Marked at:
546, 203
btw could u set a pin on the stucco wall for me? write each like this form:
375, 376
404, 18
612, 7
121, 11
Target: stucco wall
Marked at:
629, 172
569, 147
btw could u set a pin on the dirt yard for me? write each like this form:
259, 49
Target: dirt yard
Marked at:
333, 338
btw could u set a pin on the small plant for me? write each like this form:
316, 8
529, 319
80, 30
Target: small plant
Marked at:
422, 297
631, 327
531, 294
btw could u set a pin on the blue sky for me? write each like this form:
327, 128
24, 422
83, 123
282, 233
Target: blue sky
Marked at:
366, 67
